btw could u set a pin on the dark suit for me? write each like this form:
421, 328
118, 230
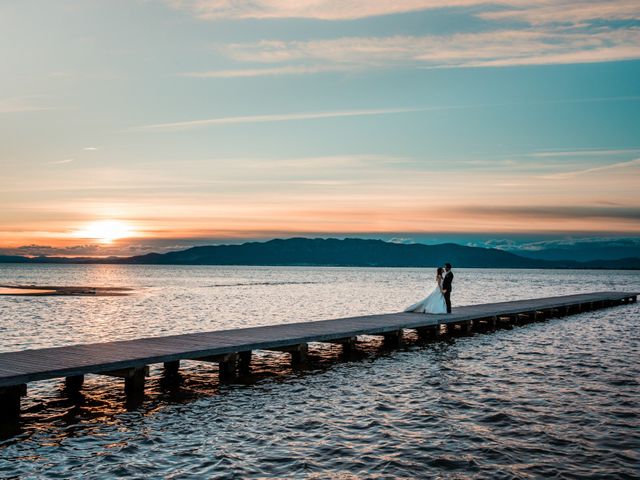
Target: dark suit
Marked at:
446, 285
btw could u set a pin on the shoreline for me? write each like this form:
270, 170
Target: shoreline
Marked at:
55, 290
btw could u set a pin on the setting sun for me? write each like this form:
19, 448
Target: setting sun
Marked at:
105, 231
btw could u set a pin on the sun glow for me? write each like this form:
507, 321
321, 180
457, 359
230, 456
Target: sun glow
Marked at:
105, 231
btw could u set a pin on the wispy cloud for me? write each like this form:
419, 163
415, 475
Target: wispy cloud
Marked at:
559, 32
91, 149
317, 9
583, 153
599, 169
185, 125
285, 117
555, 212
270, 71
534, 11
563, 11
551, 45
61, 162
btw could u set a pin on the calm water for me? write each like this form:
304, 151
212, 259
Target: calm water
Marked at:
557, 399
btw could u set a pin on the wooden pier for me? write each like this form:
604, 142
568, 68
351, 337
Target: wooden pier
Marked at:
232, 349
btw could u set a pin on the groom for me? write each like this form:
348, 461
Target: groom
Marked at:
446, 285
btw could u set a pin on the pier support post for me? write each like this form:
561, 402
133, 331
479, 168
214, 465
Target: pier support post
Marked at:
10, 402
227, 367
466, 328
393, 339
430, 332
171, 378
171, 369
134, 385
299, 355
72, 385
348, 345
484, 324
244, 362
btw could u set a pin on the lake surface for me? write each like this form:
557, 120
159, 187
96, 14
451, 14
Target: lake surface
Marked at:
556, 399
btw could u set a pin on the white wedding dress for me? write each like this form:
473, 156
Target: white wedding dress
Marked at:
433, 303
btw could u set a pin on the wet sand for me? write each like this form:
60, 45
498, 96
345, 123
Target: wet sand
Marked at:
49, 290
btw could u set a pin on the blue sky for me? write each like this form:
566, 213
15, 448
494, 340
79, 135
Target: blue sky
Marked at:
197, 121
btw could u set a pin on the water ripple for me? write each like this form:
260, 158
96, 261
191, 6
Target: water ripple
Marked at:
558, 399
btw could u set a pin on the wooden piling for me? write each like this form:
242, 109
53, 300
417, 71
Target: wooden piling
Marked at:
10, 401
429, 332
466, 328
134, 379
300, 355
172, 368
244, 362
350, 346
393, 339
73, 384
228, 367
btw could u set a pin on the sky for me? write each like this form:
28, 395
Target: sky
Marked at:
129, 126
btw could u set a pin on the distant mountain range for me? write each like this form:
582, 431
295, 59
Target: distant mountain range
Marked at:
348, 252
586, 251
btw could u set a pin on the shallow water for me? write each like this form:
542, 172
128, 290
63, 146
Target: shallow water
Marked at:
554, 399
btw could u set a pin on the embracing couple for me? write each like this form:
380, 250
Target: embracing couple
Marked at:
438, 301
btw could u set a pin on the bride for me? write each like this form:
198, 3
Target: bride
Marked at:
434, 302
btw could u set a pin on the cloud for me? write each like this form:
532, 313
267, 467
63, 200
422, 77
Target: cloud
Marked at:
563, 11
523, 32
597, 245
552, 212
533, 11
603, 168
91, 149
582, 153
284, 117
550, 45
316, 9
404, 241
34, 250
61, 162
269, 72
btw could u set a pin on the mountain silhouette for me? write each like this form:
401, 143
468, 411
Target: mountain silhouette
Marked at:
352, 252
